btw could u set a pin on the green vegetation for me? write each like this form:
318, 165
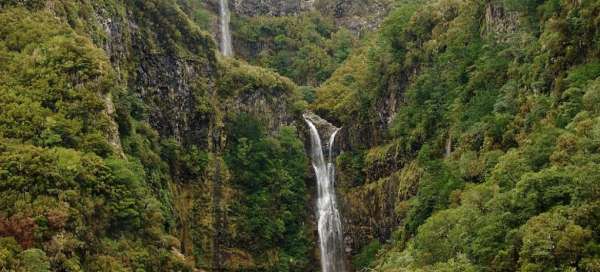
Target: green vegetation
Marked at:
87, 184
65, 187
472, 132
506, 94
196, 10
269, 175
306, 48
367, 254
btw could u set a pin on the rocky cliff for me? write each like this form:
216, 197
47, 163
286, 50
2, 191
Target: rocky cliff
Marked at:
469, 129
358, 16
378, 176
273, 34
172, 105
430, 138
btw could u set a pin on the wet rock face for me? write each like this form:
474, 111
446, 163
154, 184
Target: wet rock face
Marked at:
356, 15
369, 213
252, 8
162, 77
171, 95
324, 128
376, 209
499, 21
272, 108
116, 45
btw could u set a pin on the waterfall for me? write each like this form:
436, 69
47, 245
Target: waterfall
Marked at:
226, 47
329, 224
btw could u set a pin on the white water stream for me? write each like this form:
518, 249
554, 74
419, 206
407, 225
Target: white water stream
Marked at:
329, 223
226, 47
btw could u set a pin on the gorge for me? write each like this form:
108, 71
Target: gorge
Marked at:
204, 135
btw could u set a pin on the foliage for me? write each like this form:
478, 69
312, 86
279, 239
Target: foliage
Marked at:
101, 189
66, 188
197, 11
306, 48
495, 117
367, 255
269, 176
483, 115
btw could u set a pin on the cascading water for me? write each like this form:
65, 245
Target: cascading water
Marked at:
329, 224
226, 47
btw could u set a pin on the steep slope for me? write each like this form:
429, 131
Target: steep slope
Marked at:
303, 40
119, 125
469, 134
470, 138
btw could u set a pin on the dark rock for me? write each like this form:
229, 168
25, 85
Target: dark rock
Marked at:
252, 8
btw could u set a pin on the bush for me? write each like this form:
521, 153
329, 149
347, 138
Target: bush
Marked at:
367, 255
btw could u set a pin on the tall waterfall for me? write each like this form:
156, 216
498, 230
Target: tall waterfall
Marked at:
226, 47
329, 224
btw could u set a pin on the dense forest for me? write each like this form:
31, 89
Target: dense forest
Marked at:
470, 135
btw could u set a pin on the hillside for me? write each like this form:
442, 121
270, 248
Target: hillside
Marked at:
470, 138
468, 135
119, 125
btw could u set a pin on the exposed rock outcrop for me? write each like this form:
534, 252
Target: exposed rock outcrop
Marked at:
253, 8
499, 21
324, 128
190, 96
114, 138
358, 16
147, 59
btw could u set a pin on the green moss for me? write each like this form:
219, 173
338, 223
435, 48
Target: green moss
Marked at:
77, 189
241, 79
471, 114
306, 48
268, 173
367, 255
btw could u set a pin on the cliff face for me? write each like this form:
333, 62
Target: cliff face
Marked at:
440, 134
271, 7
378, 176
167, 72
274, 34
358, 16
194, 99
170, 107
